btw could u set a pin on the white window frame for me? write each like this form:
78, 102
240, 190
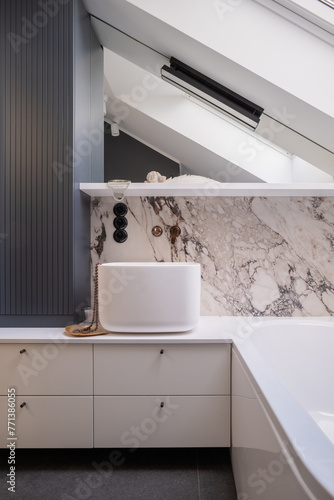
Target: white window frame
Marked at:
312, 15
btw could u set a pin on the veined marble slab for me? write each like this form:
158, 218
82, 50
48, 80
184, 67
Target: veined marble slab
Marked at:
260, 256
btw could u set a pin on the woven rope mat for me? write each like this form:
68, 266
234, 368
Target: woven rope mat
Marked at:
77, 331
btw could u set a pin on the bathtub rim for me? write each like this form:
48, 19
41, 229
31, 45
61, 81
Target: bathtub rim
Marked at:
290, 417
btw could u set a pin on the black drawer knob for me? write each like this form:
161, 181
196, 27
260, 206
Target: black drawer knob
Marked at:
23, 404
22, 351
162, 351
162, 404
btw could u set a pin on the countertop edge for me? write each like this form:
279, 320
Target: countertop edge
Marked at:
210, 329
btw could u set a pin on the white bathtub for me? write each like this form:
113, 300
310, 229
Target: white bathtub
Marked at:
283, 410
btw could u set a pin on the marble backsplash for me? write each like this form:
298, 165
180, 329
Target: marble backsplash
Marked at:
259, 256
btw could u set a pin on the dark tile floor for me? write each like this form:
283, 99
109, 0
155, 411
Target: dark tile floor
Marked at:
146, 474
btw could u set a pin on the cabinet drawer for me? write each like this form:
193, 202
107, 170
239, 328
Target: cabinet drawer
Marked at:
50, 422
46, 369
183, 369
139, 421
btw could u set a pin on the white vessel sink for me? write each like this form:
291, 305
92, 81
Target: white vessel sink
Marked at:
149, 296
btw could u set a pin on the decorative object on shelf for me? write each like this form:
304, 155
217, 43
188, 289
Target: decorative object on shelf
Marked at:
157, 177
94, 328
88, 311
118, 188
120, 222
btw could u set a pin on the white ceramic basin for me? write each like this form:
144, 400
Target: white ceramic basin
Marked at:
149, 296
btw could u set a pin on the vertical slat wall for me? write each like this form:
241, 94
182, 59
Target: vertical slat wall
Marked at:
3, 235
36, 184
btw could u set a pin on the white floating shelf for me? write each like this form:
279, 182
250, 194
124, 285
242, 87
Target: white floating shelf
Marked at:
211, 189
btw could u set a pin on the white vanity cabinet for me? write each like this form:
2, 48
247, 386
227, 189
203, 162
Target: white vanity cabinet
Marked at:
53, 391
155, 395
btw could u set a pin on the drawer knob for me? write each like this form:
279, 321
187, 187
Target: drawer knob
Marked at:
162, 404
162, 351
23, 404
22, 351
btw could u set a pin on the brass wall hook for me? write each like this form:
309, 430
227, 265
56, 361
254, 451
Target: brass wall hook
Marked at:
175, 231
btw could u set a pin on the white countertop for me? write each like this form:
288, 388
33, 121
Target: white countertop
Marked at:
210, 329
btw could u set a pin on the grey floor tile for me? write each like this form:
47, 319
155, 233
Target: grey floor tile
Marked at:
215, 474
103, 474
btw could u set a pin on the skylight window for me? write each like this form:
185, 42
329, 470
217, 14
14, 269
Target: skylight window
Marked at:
318, 12
330, 3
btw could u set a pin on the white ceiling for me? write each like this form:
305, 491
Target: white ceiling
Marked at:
243, 45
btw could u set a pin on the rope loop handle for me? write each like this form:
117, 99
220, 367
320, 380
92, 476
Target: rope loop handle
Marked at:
93, 328
95, 319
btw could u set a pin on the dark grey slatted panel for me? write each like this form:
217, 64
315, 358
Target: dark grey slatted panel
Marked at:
36, 127
10, 165
2, 163
33, 201
62, 191
50, 146
16, 168
69, 206
24, 174
44, 171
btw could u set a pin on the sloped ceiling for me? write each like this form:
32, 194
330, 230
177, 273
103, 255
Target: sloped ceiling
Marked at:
241, 45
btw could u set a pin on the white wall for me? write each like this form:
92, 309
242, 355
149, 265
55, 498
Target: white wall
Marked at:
249, 48
161, 115
257, 39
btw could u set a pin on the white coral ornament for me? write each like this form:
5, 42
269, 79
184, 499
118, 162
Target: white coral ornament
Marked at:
157, 177
191, 179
